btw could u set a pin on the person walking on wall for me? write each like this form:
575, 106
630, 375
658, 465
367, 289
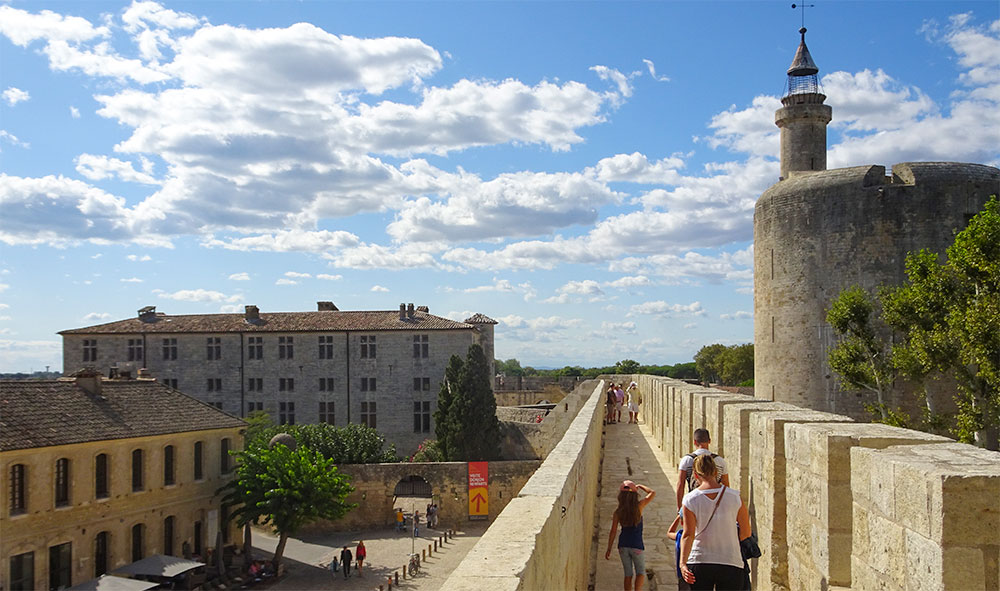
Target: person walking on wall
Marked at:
632, 394
619, 402
610, 403
702, 440
630, 547
345, 561
360, 555
710, 546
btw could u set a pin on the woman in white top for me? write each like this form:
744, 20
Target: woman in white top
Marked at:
710, 546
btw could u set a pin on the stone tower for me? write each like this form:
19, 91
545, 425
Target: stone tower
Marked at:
804, 117
819, 231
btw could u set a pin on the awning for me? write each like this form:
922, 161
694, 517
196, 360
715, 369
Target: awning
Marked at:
159, 565
110, 583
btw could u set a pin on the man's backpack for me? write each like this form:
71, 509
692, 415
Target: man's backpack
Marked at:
690, 470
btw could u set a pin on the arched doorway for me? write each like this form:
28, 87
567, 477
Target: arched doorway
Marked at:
412, 486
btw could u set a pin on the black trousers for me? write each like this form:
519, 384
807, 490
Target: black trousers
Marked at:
347, 568
716, 577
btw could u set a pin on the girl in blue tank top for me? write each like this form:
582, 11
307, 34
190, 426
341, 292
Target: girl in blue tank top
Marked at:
630, 546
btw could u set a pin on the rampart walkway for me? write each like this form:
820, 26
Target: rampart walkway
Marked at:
630, 453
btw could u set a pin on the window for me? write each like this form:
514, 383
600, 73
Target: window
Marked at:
422, 417
254, 406
137, 470
214, 385
286, 348
368, 414
326, 385
255, 385
421, 384
90, 350
18, 490
420, 346
326, 347
170, 382
198, 468
61, 566
168, 466
367, 384
286, 413
169, 349
224, 521
135, 350
255, 348
286, 384
138, 539
197, 537
213, 348
168, 535
368, 347
22, 572
225, 466
102, 484
101, 556
62, 482
326, 412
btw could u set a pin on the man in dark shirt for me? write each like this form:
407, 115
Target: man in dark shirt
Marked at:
345, 560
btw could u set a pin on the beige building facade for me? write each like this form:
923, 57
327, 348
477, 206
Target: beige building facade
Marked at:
379, 368
99, 473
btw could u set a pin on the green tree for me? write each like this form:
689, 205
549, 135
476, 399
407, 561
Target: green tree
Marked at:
735, 364
466, 424
626, 366
949, 317
511, 367
707, 362
285, 489
352, 444
862, 358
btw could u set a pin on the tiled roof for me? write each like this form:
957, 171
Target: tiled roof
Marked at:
333, 321
480, 319
41, 413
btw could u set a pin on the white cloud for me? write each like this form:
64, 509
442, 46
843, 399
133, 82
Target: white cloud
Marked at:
139, 259
296, 275
587, 287
629, 281
288, 241
328, 277
738, 315
652, 71
541, 323
131, 280
12, 139
74, 112
690, 325
618, 327
379, 288
15, 95
101, 167
240, 276
662, 308
23, 27
623, 82
501, 285
96, 316
198, 295
286, 282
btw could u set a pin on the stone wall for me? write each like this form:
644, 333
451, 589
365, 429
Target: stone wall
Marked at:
374, 485
837, 503
538, 383
544, 536
525, 397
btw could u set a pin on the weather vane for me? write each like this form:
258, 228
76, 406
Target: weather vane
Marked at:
803, 7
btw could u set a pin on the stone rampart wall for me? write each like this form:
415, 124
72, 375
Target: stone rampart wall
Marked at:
544, 536
837, 503
524, 397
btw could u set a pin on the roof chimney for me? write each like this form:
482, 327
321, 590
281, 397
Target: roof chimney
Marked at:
409, 311
326, 307
252, 313
402, 311
147, 314
88, 379
423, 309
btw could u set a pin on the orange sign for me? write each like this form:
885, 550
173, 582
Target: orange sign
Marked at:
479, 495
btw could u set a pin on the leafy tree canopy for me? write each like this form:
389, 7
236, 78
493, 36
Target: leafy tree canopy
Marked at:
466, 423
351, 444
728, 365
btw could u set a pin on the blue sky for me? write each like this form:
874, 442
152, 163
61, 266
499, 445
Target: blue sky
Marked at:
585, 173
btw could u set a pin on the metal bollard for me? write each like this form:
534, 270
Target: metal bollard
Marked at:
435, 545
428, 549
397, 577
423, 554
405, 566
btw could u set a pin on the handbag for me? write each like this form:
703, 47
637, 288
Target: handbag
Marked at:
749, 547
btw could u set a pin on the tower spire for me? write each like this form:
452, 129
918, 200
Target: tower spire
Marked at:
803, 117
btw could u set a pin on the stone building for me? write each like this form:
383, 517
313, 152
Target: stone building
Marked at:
99, 473
819, 231
379, 368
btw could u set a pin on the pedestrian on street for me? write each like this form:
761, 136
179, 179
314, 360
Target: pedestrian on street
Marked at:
345, 559
630, 547
360, 556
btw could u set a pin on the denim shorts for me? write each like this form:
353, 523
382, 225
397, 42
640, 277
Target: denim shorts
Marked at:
633, 560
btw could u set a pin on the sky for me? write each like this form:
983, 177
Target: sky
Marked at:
585, 173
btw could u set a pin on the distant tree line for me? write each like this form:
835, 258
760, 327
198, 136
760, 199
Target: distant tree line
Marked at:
512, 367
